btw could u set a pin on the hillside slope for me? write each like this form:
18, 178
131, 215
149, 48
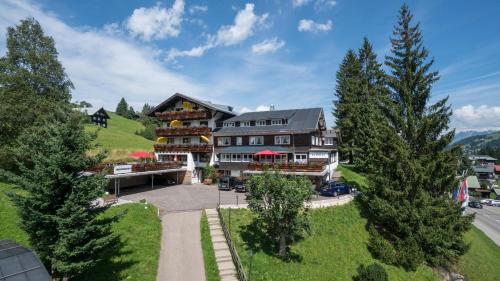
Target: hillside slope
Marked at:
475, 143
120, 138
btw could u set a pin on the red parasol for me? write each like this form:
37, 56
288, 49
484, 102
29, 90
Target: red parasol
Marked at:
267, 153
142, 154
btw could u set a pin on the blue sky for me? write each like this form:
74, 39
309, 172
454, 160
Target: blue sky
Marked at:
254, 54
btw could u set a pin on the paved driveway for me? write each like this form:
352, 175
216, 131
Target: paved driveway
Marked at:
183, 197
488, 220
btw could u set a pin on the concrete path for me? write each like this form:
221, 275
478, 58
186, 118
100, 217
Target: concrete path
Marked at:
227, 271
181, 257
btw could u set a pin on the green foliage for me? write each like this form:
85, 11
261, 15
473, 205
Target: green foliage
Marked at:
57, 212
278, 202
210, 172
373, 272
150, 125
414, 220
474, 144
146, 109
490, 151
122, 108
9, 217
34, 86
131, 113
211, 268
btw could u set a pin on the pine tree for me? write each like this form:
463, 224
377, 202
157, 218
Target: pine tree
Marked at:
65, 227
122, 108
347, 111
413, 219
146, 109
34, 86
131, 113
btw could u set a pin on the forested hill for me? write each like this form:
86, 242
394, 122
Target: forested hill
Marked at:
476, 143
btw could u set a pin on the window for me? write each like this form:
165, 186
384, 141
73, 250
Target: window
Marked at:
170, 140
204, 123
301, 158
225, 157
329, 141
257, 140
276, 122
245, 124
224, 141
318, 154
236, 158
282, 158
186, 124
186, 140
246, 158
228, 124
260, 123
282, 139
239, 141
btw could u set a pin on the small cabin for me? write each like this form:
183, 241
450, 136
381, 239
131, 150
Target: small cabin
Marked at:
100, 118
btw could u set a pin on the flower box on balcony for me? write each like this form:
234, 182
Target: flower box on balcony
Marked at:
311, 167
183, 131
182, 115
183, 147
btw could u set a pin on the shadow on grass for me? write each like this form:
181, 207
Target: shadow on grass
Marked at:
112, 264
257, 240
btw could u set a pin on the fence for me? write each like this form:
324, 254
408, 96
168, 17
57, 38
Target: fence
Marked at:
240, 272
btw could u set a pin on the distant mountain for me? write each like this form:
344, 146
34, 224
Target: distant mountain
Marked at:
474, 143
465, 134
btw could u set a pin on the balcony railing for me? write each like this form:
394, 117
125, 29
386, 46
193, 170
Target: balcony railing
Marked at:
163, 147
309, 167
182, 115
137, 167
183, 131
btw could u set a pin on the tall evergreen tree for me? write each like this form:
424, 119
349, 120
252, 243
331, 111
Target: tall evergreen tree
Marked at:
413, 219
65, 227
346, 107
131, 113
33, 84
146, 109
122, 108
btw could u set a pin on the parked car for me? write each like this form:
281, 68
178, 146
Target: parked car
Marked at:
475, 204
336, 188
169, 181
485, 201
239, 185
226, 183
494, 203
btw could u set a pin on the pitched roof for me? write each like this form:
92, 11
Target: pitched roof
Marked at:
299, 121
20, 263
219, 107
473, 182
102, 110
484, 158
483, 169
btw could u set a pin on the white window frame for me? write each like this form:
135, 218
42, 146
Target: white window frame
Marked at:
246, 157
235, 157
228, 124
300, 159
329, 141
282, 158
225, 157
260, 123
276, 122
245, 124
224, 141
252, 140
239, 140
280, 139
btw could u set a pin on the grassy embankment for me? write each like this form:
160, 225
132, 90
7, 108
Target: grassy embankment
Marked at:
119, 137
136, 256
211, 269
337, 247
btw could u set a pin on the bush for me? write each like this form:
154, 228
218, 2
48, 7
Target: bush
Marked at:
373, 272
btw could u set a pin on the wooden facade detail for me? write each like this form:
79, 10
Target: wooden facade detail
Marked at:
137, 167
163, 147
183, 131
296, 167
182, 115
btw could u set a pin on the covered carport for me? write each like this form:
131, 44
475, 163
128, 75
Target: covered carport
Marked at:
118, 181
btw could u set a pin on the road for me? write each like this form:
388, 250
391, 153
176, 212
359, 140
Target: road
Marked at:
488, 220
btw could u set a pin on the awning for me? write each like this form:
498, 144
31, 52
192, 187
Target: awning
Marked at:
267, 153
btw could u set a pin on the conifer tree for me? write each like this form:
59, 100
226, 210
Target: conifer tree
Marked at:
131, 113
413, 219
58, 212
347, 110
122, 108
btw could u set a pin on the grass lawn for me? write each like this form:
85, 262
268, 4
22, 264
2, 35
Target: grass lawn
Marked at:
211, 269
334, 251
120, 138
348, 175
136, 257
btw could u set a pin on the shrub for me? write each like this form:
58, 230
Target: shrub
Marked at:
373, 272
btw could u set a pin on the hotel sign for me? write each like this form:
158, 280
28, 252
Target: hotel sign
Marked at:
122, 169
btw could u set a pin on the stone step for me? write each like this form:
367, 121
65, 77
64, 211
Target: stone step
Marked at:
211, 212
227, 272
225, 265
220, 246
228, 278
222, 253
218, 238
223, 259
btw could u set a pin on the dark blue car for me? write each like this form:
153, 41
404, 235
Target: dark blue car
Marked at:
336, 188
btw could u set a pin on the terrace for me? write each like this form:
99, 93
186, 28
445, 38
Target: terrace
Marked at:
182, 115
137, 167
288, 166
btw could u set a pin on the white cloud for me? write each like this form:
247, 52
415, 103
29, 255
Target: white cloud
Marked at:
311, 26
244, 25
156, 22
263, 108
479, 118
324, 4
198, 9
268, 46
103, 67
298, 3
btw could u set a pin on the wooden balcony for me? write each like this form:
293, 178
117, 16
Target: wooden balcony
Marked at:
183, 131
182, 115
163, 147
137, 167
289, 167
